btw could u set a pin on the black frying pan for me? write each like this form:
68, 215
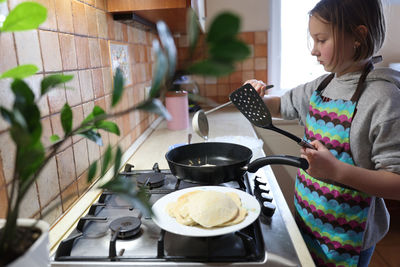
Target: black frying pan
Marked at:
216, 163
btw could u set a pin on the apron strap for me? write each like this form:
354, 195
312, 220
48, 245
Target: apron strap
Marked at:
325, 82
361, 82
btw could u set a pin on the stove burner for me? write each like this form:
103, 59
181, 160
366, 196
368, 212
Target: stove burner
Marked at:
127, 227
152, 180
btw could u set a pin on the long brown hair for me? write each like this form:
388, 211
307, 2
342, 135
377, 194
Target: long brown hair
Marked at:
345, 17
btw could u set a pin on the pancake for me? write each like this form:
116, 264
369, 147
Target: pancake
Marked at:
207, 209
212, 208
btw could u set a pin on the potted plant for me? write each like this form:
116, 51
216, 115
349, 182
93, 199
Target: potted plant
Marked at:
25, 126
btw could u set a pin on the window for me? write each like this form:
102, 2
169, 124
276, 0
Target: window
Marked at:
297, 64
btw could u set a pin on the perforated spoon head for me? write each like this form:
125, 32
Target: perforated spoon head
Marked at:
251, 105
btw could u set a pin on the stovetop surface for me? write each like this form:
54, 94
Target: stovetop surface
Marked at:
93, 241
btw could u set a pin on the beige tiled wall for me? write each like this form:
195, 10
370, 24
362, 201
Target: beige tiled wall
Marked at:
74, 40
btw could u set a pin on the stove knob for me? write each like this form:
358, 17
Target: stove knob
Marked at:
257, 182
266, 197
258, 190
268, 208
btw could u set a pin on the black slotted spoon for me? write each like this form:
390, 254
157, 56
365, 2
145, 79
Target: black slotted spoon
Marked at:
251, 105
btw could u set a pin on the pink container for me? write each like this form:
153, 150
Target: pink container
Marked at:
177, 105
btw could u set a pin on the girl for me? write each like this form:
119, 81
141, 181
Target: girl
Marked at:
352, 118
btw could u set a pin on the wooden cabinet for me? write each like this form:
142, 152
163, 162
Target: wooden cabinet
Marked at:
173, 12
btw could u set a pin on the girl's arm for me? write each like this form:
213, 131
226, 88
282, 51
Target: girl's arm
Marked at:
323, 164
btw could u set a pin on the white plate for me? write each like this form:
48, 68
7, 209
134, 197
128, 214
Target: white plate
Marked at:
166, 222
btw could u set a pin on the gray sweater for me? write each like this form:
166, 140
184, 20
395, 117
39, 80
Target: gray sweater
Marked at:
374, 138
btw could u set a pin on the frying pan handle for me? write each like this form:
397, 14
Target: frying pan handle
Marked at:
277, 159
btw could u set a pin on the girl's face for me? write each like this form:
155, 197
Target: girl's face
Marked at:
324, 48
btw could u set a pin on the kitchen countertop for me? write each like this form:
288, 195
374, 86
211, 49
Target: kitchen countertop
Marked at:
226, 123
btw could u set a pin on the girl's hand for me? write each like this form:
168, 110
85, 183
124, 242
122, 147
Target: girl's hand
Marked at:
258, 85
322, 163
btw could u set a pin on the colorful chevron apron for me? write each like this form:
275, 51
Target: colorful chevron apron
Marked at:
331, 217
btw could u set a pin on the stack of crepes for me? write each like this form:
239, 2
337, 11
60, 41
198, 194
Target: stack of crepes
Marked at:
207, 209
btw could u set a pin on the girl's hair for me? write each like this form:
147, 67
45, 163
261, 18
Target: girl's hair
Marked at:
345, 17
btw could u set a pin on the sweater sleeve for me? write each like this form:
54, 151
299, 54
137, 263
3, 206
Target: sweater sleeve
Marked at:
295, 102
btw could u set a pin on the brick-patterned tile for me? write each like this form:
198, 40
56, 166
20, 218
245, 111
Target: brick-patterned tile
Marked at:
69, 195
48, 183
94, 49
79, 18
247, 37
247, 75
235, 77
102, 24
73, 89
110, 27
7, 52
260, 63
82, 52
260, 37
64, 16
248, 64
83, 184
28, 48
261, 75
30, 203
260, 50
91, 20
52, 211
85, 80
68, 51
77, 113
51, 22
50, 46
57, 99
98, 86
107, 80
66, 167
46, 131
8, 153
105, 53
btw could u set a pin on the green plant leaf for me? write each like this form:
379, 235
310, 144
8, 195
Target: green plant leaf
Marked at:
209, 67
54, 138
66, 118
93, 136
154, 105
108, 126
118, 87
20, 72
160, 70
169, 45
25, 111
106, 160
193, 30
96, 112
225, 26
25, 16
92, 171
229, 50
117, 161
53, 81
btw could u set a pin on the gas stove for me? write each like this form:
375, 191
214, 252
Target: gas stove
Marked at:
115, 233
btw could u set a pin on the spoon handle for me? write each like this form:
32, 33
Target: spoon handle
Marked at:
218, 107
